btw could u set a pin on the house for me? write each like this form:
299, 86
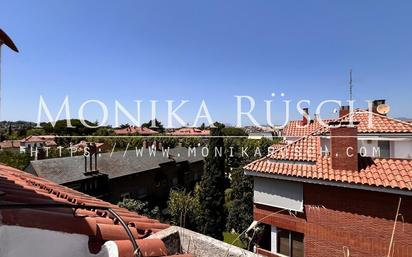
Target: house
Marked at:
190, 132
33, 142
143, 173
296, 129
138, 131
40, 218
79, 147
336, 202
10, 145
377, 134
255, 132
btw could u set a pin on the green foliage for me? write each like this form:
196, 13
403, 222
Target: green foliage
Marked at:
35, 132
212, 195
158, 125
139, 207
240, 207
77, 129
232, 131
15, 159
231, 238
240, 203
184, 208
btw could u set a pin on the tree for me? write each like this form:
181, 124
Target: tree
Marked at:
15, 159
139, 207
184, 208
232, 131
212, 195
158, 126
240, 208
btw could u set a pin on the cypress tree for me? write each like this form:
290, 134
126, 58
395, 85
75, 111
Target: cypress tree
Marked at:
212, 195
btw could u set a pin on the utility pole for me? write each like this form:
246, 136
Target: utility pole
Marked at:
5, 40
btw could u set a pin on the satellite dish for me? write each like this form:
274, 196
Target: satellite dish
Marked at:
383, 109
4, 39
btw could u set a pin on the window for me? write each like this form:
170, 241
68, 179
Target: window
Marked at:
384, 149
289, 243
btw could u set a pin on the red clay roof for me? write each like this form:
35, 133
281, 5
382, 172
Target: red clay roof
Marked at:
48, 140
303, 159
100, 226
135, 130
190, 132
294, 128
378, 124
82, 144
10, 144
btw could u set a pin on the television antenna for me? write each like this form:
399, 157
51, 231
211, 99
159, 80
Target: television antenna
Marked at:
350, 85
5, 40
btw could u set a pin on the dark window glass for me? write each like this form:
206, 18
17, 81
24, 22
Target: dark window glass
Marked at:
297, 244
283, 241
290, 243
264, 239
384, 148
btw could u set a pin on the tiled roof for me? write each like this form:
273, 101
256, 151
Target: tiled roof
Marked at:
295, 128
10, 144
48, 140
135, 130
82, 144
303, 159
116, 164
304, 149
20, 187
378, 124
190, 132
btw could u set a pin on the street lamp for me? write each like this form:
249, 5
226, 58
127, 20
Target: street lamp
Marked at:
5, 40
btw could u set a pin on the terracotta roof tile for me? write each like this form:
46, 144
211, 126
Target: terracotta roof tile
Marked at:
303, 158
369, 122
190, 132
295, 128
135, 131
21, 187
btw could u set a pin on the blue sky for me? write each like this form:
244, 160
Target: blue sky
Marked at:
212, 50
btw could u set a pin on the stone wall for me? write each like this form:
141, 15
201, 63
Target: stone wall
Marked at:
181, 240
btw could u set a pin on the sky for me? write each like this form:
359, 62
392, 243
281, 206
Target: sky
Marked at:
211, 50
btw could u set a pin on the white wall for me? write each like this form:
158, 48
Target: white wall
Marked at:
18, 241
278, 193
401, 149
398, 149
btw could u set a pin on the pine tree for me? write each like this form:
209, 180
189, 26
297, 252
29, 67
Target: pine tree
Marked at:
241, 207
212, 195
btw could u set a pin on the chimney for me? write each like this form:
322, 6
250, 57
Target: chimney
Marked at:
344, 110
92, 149
344, 145
304, 119
375, 105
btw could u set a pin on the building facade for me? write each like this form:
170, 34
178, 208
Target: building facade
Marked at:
335, 202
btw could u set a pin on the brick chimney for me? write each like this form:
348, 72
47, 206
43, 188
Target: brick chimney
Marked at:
375, 105
344, 110
344, 145
304, 119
